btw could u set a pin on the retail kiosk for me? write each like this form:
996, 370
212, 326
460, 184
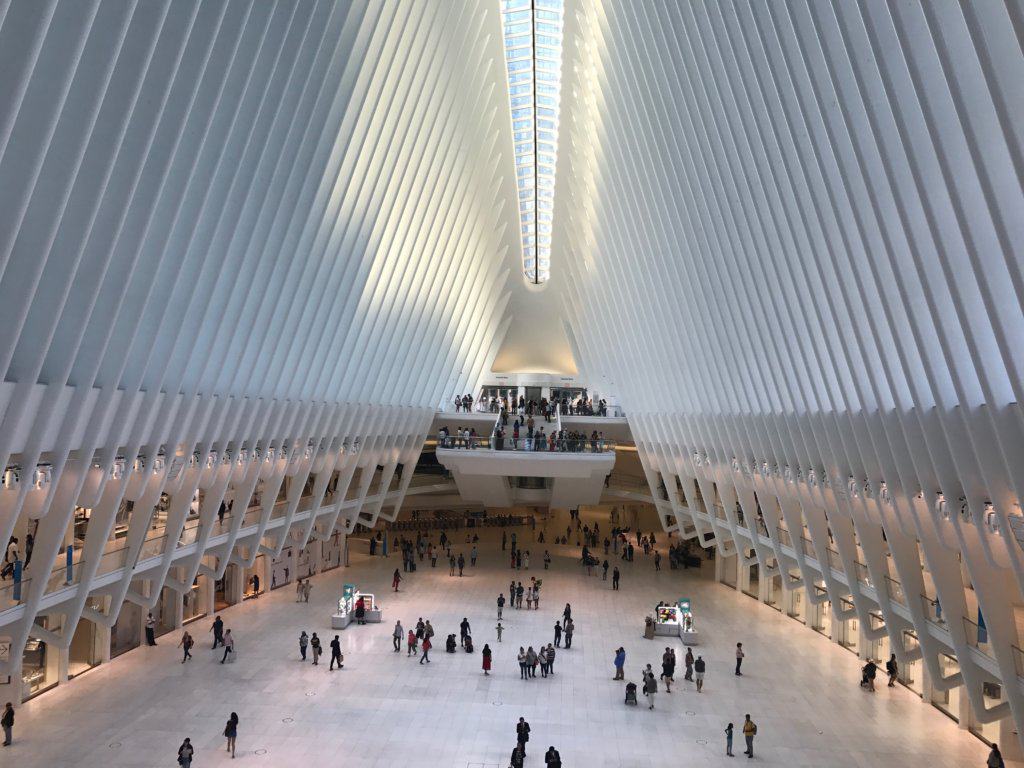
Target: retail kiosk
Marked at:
347, 608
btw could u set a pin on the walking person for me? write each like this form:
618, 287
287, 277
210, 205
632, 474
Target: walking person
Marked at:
749, 732
396, 636
688, 661
426, 645
336, 654
185, 753
461, 563
472, 556
7, 722
411, 641
604, 571
150, 629
739, 658
549, 655
486, 655
728, 740
186, 644
498, 629
892, 669
615, 578
567, 614
231, 733
698, 669
314, 643
570, 627
299, 590
307, 587
396, 578
995, 757
229, 646
552, 759
218, 632
463, 631
303, 644
650, 687
558, 634
522, 734
501, 604
620, 663
519, 595
668, 669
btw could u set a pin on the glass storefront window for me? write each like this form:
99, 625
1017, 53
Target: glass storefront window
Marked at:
127, 630
948, 701
39, 663
84, 653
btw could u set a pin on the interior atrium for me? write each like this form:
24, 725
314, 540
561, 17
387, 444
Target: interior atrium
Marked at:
323, 319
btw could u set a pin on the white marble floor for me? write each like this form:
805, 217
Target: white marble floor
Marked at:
386, 710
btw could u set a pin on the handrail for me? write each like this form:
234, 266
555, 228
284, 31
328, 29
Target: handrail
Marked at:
784, 537
895, 590
527, 444
932, 611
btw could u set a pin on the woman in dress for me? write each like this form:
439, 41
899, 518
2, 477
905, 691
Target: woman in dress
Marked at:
486, 653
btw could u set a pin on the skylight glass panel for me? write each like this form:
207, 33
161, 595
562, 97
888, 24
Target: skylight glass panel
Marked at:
533, 54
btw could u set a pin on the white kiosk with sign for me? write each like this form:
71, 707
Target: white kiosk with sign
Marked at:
672, 620
346, 614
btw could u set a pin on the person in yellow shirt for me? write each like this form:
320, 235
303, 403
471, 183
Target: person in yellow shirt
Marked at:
749, 731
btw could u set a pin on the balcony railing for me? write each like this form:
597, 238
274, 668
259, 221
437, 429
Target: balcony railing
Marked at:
808, 547
863, 575
527, 444
932, 611
977, 637
834, 560
784, 538
895, 590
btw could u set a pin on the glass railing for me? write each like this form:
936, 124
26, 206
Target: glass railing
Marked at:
932, 611
895, 590
112, 560
834, 560
1018, 660
13, 593
977, 636
580, 444
808, 547
784, 538
863, 575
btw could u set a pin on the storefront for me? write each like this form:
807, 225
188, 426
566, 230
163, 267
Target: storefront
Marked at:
878, 650
753, 581
910, 672
849, 630
821, 613
126, 633
85, 651
992, 693
330, 556
224, 588
256, 574
773, 592
948, 701
730, 570
281, 569
798, 605
39, 663
194, 602
305, 563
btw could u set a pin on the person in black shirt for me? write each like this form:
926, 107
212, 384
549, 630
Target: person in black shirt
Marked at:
336, 654
522, 734
552, 759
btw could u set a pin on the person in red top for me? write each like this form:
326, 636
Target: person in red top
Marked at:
395, 579
487, 659
426, 650
412, 643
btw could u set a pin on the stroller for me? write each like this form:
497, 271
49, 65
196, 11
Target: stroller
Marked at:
631, 693
469, 644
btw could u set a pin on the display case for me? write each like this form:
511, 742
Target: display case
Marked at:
666, 620
687, 629
350, 594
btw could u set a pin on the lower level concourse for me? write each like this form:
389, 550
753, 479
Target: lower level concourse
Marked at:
386, 709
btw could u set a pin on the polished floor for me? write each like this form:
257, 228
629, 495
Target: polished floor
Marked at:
385, 710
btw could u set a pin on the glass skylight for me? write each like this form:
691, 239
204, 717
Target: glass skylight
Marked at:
533, 60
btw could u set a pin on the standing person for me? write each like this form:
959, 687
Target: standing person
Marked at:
231, 732
604, 571
426, 645
547, 560
307, 587
558, 634
549, 655
395, 579
526, 559
451, 564
462, 563
472, 556
650, 687
396, 636
255, 585
516, 761
698, 669
522, 734
186, 644
314, 643
336, 654
519, 595
229, 646
570, 627
486, 654
7, 722
463, 631
728, 740
995, 757
501, 604
299, 590
620, 663
668, 669
739, 657
552, 759
432, 554
749, 731
521, 658
531, 662
150, 629
411, 643
657, 561
567, 614
303, 644
615, 577
892, 669
185, 752
688, 661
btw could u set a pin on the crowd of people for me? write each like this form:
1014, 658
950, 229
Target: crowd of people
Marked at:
581, 405
524, 435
